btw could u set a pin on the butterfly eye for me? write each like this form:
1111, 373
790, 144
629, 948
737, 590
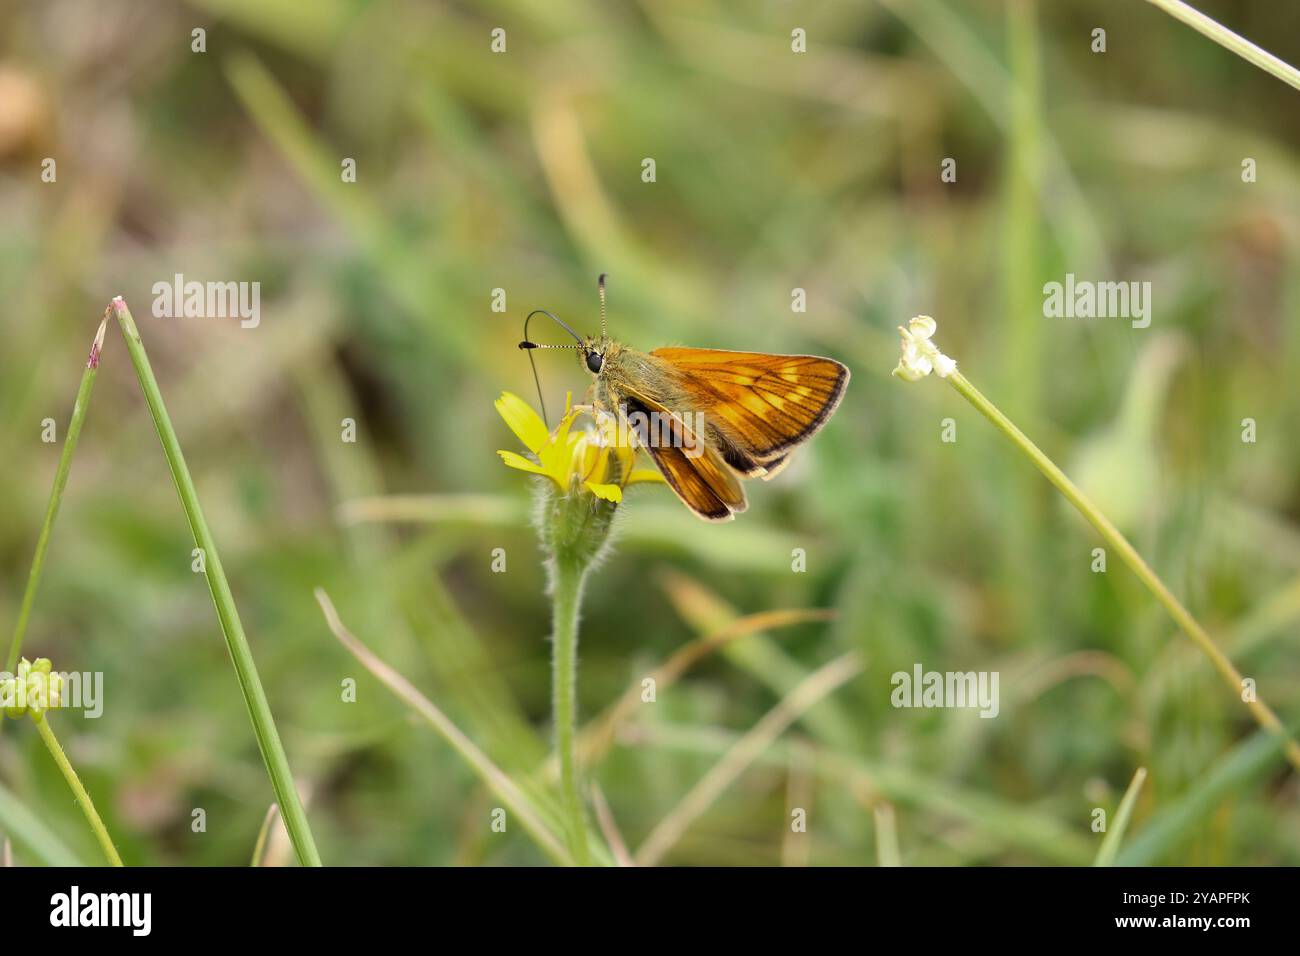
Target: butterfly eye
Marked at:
594, 362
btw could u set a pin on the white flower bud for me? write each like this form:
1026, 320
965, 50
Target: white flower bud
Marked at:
919, 355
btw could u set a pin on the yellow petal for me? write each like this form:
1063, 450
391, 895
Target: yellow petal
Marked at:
640, 475
555, 464
561, 436
523, 421
608, 466
521, 463
590, 462
626, 456
609, 492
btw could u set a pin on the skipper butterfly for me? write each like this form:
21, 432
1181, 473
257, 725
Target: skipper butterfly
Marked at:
709, 417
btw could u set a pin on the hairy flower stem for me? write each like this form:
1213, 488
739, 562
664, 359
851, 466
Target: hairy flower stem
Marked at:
568, 575
1262, 713
575, 530
78, 791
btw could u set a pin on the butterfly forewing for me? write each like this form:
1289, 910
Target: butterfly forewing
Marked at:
762, 405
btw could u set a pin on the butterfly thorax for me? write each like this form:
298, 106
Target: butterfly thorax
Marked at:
626, 372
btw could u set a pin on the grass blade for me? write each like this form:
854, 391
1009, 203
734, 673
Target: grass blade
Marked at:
1242, 765
496, 780
1110, 842
774, 723
263, 836
56, 493
1019, 825
268, 738
663, 528
26, 830
887, 853
596, 738
609, 827
1230, 41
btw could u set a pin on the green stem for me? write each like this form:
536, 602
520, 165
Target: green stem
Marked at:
566, 585
78, 791
1182, 617
1231, 41
56, 495
268, 739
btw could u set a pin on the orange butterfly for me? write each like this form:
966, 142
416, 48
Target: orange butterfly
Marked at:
710, 417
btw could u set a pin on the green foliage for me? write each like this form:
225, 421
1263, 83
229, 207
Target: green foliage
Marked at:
775, 170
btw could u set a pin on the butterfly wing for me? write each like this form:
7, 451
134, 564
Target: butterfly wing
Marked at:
702, 481
759, 405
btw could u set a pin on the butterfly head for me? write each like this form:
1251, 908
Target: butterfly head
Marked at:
594, 353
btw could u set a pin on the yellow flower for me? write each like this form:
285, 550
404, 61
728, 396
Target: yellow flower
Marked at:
600, 458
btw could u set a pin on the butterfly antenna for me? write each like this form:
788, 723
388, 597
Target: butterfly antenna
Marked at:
600, 285
528, 345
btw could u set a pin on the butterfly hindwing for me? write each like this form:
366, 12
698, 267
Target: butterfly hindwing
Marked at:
697, 474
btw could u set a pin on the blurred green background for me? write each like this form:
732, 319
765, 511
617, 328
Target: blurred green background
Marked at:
775, 171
